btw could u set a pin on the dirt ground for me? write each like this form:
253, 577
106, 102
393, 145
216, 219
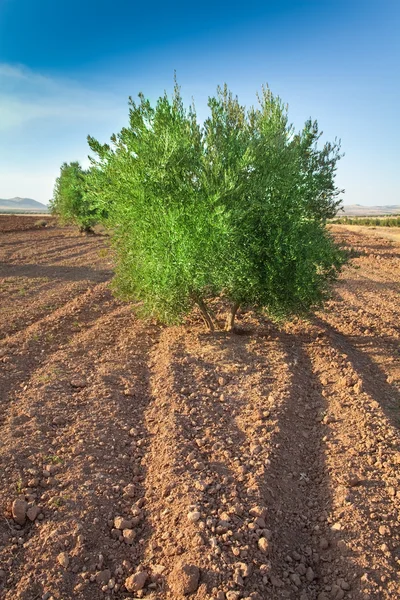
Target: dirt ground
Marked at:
10, 223
389, 233
138, 461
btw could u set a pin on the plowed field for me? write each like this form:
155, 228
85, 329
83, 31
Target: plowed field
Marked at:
138, 461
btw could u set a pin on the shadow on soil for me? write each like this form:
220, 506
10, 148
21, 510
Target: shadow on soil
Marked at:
72, 273
374, 380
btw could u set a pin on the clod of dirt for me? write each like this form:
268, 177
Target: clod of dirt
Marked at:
129, 490
129, 536
122, 523
194, 516
78, 382
263, 545
32, 512
19, 508
136, 582
184, 579
103, 576
63, 559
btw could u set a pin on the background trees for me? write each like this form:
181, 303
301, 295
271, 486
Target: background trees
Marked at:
234, 208
71, 202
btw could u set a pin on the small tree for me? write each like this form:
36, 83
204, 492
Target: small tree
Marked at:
234, 208
70, 201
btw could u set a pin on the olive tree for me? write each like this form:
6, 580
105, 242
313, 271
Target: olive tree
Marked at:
232, 208
71, 202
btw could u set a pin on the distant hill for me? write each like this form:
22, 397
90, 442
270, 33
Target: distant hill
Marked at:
358, 210
22, 205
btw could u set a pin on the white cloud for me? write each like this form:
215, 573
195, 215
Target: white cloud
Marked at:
44, 121
26, 96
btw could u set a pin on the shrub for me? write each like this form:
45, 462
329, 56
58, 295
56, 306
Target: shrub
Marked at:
234, 208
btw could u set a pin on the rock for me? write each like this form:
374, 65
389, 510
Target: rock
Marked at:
103, 576
295, 579
336, 527
59, 421
301, 569
2, 574
310, 576
158, 569
136, 582
244, 569
231, 595
276, 582
184, 579
323, 544
383, 530
19, 508
255, 448
32, 512
194, 516
263, 545
258, 511
129, 490
78, 382
336, 592
122, 523
129, 536
63, 559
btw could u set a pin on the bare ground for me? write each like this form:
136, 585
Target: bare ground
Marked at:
261, 465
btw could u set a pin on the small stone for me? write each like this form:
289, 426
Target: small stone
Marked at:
310, 576
185, 579
258, 511
336, 527
244, 569
78, 382
232, 595
122, 523
129, 536
323, 544
344, 585
276, 582
59, 421
32, 512
63, 559
194, 516
103, 576
383, 530
129, 490
136, 582
19, 508
263, 545
2, 574
295, 579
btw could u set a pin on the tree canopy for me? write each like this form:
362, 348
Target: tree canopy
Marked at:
235, 207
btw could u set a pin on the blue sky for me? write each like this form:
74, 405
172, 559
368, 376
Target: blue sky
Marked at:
67, 68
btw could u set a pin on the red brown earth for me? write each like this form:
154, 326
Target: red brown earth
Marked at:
10, 223
156, 462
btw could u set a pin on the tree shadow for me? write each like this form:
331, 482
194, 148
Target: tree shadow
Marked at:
374, 380
73, 273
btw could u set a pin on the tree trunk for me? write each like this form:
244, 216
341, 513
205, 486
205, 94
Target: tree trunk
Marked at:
230, 320
205, 314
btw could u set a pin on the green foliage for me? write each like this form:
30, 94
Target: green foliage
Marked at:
71, 201
234, 208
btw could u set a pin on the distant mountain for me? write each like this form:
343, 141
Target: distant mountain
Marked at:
22, 204
358, 210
